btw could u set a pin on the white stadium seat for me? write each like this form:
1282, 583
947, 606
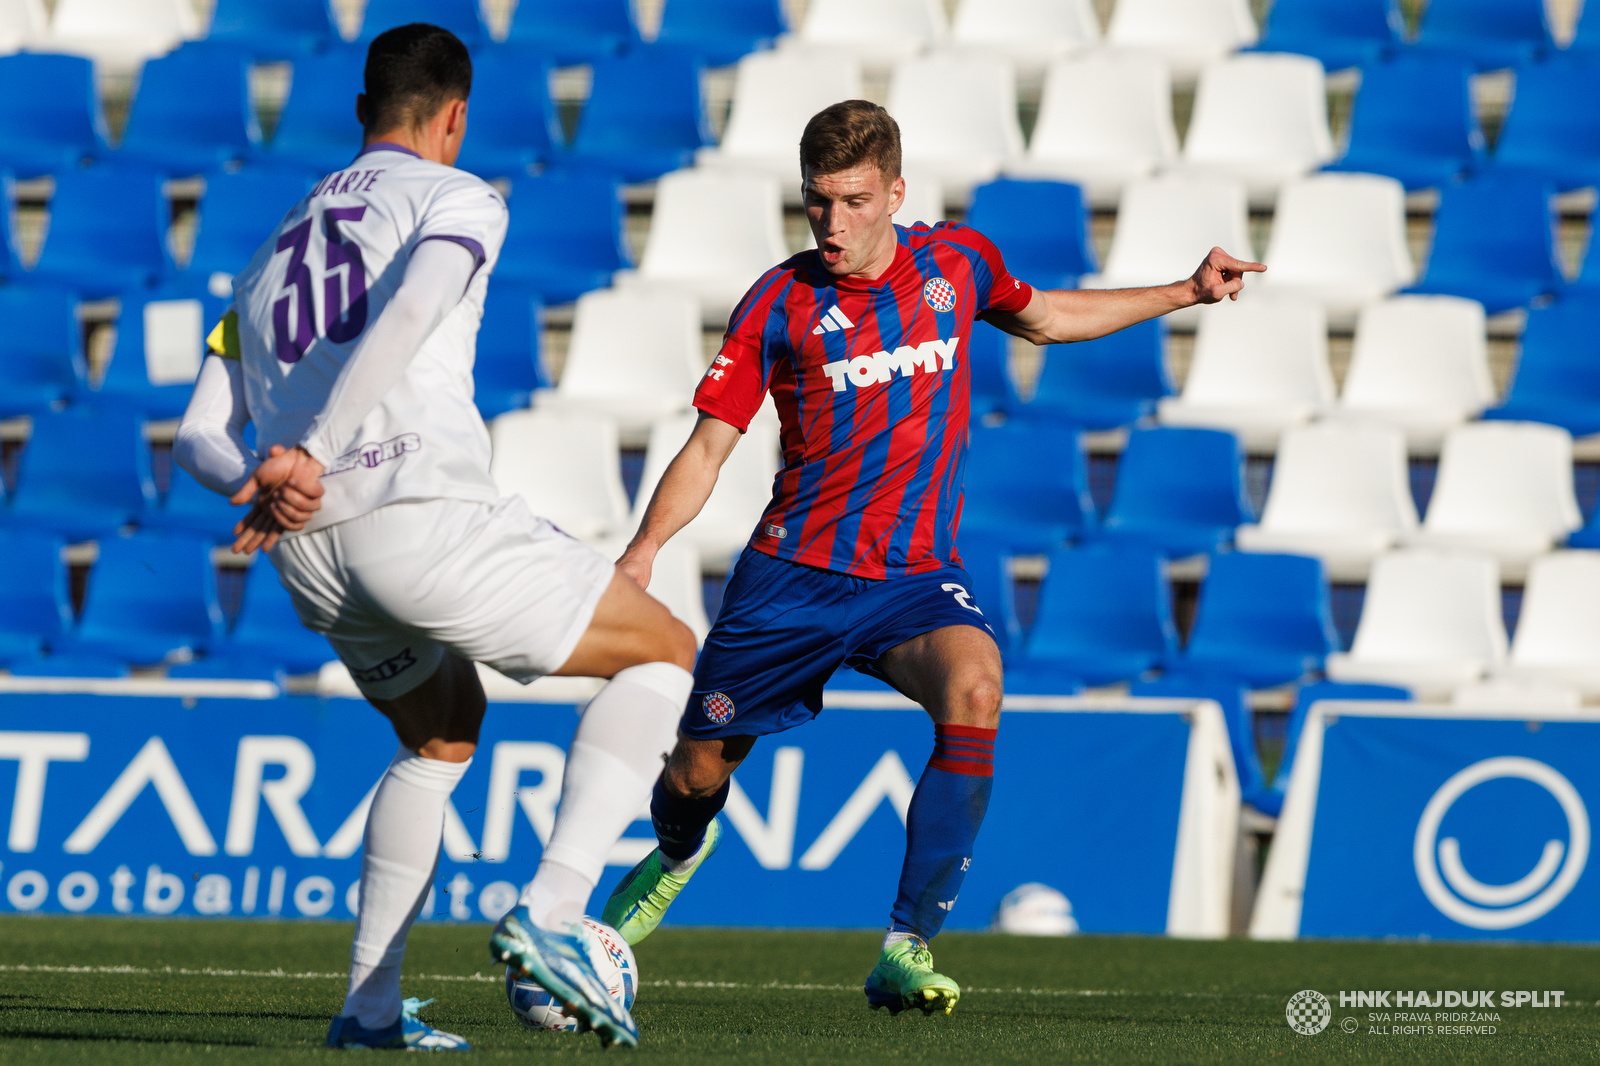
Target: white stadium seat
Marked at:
1558, 632
1184, 34
566, 466
121, 34
1507, 694
1030, 33
1504, 489
22, 23
924, 200
635, 356
1260, 366
775, 94
958, 119
880, 32
1104, 120
1339, 492
1260, 118
1421, 363
1339, 239
1431, 622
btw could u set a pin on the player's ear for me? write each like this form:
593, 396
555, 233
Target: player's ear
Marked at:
456, 120
897, 193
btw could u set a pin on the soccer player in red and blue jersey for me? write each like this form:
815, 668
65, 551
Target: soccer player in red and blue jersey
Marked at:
862, 343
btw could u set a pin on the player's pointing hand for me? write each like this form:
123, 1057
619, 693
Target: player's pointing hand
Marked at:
1219, 275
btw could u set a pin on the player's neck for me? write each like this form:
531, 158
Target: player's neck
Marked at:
417, 142
882, 259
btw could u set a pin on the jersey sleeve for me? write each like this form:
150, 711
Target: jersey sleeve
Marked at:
736, 382
997, 289
468, 212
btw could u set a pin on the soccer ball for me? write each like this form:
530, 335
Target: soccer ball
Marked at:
613, 961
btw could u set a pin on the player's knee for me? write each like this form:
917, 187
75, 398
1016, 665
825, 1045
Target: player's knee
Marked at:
446, 750
689, 778
976, 700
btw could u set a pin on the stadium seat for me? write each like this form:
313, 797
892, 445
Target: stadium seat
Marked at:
1494, 242
269, 629
1339, 493
215, 667
513, 121
1550, 131
721, 32
151, 596
987, 561
121, 34
1558, 631
989, 361
1029, 33
192, 508
237, 213
744, 487
1557, 378
923, 202
1514, 695
83, 474
566, 466
107, 232
41, 349
1040, 227
1339, 239
571, 33
1431, 621
160, 344
1184, 34
1179, 490
1413, 120
1260, 366
1027, 486
22, 23
1586, 38
1307, 697
52, 118
70, 665
1420, 364
180, 131
1337, 33
878, 32
317, 128
1505, 490
712, 234
1103, 384
1262, 119
644, 116
774, 96
461, 17
565, 236
1234, 701
634, 357
34, 605
1104, 120
508, 370
1263, 619
274, 29
1105, 615
1490, 33
958, 118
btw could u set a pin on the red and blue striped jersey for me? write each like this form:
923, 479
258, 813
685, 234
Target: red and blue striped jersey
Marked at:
871, 384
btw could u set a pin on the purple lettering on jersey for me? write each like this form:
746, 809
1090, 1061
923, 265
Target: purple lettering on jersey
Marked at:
327, 183
351, 179
372, 454
371, 180
293, 340
344, 306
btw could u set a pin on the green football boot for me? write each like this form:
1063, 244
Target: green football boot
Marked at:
904, 978
642, 897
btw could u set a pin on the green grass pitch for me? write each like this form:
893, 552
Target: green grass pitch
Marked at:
259, 992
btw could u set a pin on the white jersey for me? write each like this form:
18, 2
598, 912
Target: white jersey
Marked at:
321, 279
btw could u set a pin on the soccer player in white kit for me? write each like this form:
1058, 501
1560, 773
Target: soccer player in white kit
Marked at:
350, 345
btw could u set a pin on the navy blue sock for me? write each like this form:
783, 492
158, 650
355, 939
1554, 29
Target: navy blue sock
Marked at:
681, 823
941, 826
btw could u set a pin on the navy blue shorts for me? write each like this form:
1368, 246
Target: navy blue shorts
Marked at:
785, 628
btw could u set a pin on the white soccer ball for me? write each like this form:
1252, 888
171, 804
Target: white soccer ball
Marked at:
1035, 910
613, 961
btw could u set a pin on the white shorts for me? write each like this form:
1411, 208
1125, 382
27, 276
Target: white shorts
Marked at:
399, 586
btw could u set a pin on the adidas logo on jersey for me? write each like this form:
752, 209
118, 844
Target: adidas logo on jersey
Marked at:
832, 322
878, 368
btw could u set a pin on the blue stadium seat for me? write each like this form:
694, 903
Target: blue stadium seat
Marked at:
34, 605
1413, 119
1339, 33
1553, 131
274, 29
1105, 383
214, 667
128, 377
150, 596
180, 130
572, 33
1490, 33
461, 17
192, 508
1494, 242
52, 119
1586, 41
989, 360
238, 212
512, 124
1557, 377
722, 31
987, 561
1105, 615
108, 231
1040, 227
1262, 619
1234, 700
1027, 485
84, 473
1272, 799
41, 348
644, 116
508, 369
268, 628
1179, 490
318, 127
565, 236
1589, 535
70, 665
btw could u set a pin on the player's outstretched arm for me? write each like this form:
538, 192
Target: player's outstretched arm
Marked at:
1061, 316
681, 493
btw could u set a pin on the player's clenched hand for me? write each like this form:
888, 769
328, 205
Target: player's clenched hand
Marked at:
1221, 275
285, 490
637, 563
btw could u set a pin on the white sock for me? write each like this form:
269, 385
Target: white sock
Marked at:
401, 851
893, 937
622, 743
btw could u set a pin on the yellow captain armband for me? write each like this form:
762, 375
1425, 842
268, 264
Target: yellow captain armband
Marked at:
224, 339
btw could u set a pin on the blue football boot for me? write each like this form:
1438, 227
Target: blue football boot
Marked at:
408, 1033
559, 963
